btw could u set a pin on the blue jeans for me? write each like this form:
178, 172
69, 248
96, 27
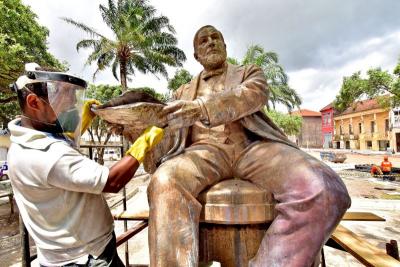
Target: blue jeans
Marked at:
109, 258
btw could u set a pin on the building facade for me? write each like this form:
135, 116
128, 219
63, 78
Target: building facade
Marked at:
310, 135
394, 118
327, 125
364, 125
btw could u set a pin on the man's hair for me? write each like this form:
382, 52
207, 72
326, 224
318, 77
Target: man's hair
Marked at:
39, 89
202, 28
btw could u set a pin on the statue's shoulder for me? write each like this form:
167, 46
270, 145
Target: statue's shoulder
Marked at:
251, 70
241, 68
185, 87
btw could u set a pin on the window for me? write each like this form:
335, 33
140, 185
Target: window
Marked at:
340, 129
369, 144
360, 127
326, 120
350, 129
372, 126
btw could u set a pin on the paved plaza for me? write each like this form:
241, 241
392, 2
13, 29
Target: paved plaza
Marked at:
368, 194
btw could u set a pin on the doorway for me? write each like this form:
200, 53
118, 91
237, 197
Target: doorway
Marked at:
397, 142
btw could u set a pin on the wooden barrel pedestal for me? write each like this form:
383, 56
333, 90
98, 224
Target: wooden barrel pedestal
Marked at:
234, 219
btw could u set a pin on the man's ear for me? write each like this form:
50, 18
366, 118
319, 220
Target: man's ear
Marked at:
33, 102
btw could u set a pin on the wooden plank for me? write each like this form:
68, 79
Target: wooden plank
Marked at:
361, 216
349, 216
5, 193
362, 250
134, 216
98, 145
131, 232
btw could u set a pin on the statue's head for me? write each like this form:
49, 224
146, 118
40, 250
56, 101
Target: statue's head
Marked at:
209, 47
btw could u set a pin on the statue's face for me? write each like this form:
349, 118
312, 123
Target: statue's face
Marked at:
210, 49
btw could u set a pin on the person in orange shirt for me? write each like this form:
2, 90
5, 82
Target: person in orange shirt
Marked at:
386, 166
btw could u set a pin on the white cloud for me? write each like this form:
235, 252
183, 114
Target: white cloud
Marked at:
319, 86
318, 41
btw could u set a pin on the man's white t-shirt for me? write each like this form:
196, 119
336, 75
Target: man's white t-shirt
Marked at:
58, 192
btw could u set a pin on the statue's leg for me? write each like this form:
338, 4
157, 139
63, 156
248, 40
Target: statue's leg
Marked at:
174, 210
311, 199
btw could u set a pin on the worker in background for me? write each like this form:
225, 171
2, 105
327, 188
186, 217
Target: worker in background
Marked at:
57, 189
386, 167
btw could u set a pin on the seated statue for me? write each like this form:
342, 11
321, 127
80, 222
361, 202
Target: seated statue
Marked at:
224, 134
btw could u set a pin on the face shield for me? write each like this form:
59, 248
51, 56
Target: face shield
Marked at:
65, 94
66, 100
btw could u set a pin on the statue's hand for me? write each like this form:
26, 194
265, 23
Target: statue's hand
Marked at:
181, 113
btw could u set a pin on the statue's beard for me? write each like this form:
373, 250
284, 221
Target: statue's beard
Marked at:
213, 61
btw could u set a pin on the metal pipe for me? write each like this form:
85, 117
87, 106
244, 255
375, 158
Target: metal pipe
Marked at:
25, 253
125, 229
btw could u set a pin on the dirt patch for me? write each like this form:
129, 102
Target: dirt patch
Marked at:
9, 236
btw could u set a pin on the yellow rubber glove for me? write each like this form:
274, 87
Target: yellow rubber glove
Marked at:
149, 139
87, 114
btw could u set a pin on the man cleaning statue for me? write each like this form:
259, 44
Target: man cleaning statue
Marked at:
57, 189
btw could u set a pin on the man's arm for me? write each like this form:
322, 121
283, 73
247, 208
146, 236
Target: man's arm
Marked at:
121, 173
74, 172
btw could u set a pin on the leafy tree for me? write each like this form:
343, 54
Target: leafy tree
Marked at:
290, 124
99, 132
181, 77
142, 41
378, 84
22, 40
280, 91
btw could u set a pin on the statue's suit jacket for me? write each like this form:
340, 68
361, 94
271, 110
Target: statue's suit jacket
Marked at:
245, 94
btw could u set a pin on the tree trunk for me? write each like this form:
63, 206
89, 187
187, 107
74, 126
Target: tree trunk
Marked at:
122, 74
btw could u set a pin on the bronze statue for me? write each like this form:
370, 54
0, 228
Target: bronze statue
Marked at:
223, 135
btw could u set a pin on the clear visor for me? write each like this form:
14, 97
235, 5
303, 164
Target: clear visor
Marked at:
66, 100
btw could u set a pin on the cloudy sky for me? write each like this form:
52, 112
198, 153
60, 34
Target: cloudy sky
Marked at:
318, 41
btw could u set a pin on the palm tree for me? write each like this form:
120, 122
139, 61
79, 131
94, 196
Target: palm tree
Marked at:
142, 41
277, 80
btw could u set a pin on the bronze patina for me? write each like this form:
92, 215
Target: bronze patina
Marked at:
225, 135
217, 131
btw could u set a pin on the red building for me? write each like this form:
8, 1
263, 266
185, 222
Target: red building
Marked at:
327, 126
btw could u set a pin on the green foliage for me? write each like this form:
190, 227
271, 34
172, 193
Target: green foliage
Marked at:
377, 84
290, 124
233, 61
22, 40
8, 109
181, 77
151, 91
280, 91
353, 87
396, 70
142, 41
99, 130
103, 93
